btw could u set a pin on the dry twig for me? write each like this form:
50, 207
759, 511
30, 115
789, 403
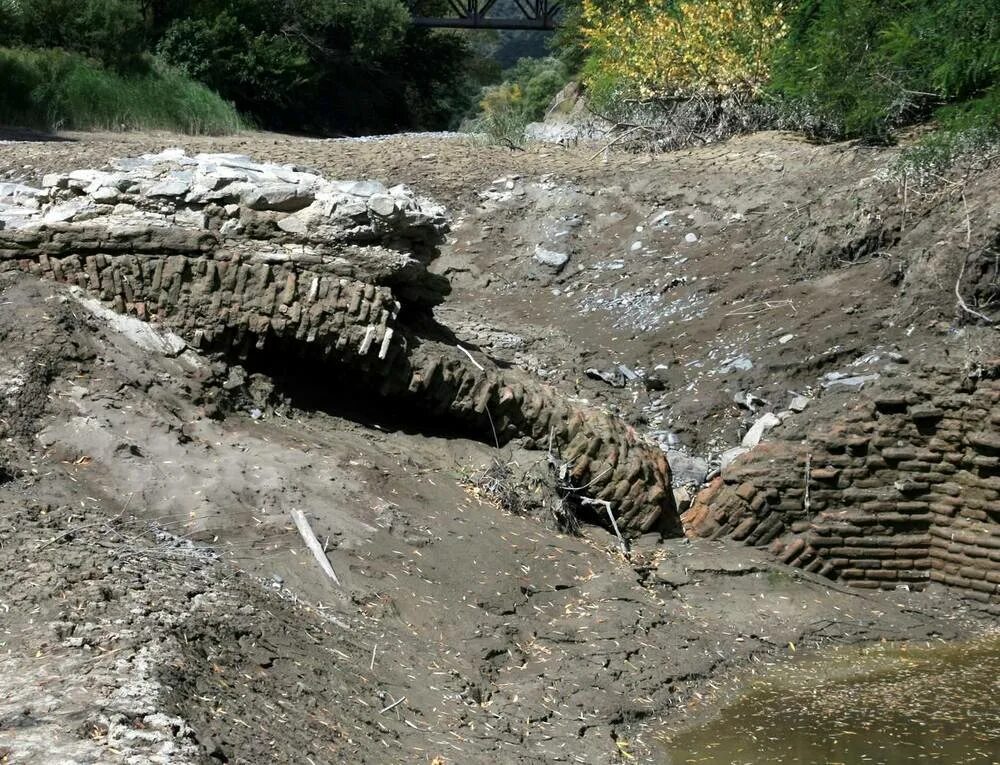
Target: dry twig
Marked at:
309, 537
614, 524
961, 273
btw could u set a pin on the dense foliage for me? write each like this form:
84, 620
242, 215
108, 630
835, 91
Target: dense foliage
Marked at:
682, 47
524, 96
55, 89
866, 66
834, 68
312, 65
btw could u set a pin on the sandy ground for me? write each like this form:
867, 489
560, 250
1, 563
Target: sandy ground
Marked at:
159, 605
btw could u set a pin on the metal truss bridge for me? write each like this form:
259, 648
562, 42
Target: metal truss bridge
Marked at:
538, 15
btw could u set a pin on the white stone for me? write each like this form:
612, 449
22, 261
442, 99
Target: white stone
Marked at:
359, 188
55, 181
686, 469
728, 456
19, 191
763, 424
174, 155
741, 363
550, 258
856, 382
382, 205
282, 197
86, 176
143, 334
798, 403
106, 195
170, 187
67, 211
293, 224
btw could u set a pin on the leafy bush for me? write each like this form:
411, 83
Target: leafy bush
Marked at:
568, 43
10, 22
356, 65
55, 89
968, 135
524, 96
328, 66
502, 115
256, 70
681, 48
539, 80
110, 31
863, 67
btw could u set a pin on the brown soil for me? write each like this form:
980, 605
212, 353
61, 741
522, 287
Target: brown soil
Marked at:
160, 607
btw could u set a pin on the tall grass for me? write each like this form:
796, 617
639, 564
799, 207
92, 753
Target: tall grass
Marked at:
52, 89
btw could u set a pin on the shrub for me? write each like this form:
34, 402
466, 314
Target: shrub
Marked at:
539, 80
568, 43
111, 31
863, 67
968, 136
55, 89
524, 96
681, 48
323, 65
502, 115
10, 22
259, 70
329, 66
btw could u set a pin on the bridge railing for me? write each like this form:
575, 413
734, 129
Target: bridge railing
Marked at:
538, 15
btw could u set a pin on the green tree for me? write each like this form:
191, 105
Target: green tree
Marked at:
866, 66
111, 31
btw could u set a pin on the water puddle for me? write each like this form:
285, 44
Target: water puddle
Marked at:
889, 703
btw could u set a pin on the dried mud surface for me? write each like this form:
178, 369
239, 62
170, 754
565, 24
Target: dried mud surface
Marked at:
158, 605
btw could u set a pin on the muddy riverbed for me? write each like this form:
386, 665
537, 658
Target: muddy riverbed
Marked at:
158, 604
886, 703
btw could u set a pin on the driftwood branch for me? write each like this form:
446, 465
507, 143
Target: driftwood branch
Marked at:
961, 273
611, 516
806, 501
305, 530
475, 363
619, 138
961, 301
396, 703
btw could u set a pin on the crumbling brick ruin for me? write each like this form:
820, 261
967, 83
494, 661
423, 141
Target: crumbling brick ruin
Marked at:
245, 258
902, 489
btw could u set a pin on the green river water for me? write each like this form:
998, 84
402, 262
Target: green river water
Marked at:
891, 704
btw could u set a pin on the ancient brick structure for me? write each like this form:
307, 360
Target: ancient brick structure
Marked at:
246, 259
901, 489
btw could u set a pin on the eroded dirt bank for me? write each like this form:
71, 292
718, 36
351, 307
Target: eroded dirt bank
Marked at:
159, 605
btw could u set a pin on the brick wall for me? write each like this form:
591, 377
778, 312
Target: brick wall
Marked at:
341, 310
902, 488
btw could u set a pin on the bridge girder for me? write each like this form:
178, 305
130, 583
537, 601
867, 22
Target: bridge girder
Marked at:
537, 15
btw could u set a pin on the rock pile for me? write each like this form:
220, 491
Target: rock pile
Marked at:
171, 188
248, 259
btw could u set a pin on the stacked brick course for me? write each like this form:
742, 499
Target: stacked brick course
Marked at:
320, 271
903, 488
